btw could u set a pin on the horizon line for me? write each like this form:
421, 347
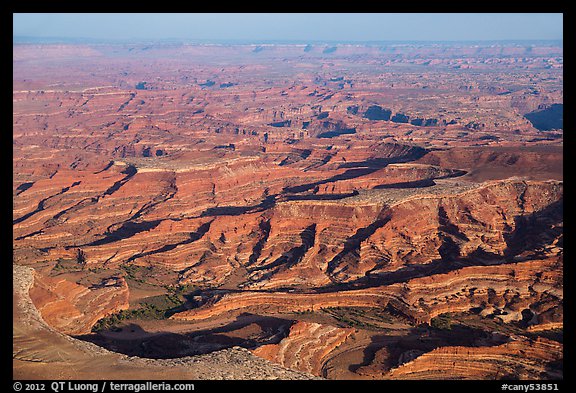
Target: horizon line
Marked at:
181, 40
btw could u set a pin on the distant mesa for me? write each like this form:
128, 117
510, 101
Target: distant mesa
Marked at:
489, 137
229, 146
375, 112
473, 125
426, 122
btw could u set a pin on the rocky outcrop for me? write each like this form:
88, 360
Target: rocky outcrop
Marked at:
72, 308
392, 176
530, 162
504, 291
519, 359
278, 302
306, 347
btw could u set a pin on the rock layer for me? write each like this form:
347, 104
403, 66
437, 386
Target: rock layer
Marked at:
72, 308
518, 359
306, 347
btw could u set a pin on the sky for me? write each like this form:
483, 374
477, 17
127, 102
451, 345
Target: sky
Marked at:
293, 26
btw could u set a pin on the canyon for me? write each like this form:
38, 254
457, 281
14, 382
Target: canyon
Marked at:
287, 211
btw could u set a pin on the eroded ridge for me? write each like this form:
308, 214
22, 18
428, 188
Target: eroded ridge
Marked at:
306, 348
520, 358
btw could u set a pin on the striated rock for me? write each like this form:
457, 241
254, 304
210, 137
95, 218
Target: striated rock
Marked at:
508, 287
72, 308
420, 299
306, 347
384, 189
519, 359
530, 162
278, 302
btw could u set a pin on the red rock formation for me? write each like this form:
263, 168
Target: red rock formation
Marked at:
532, 162
510, 288
72, 308
518, 359
274, 190
306, 347
275, 302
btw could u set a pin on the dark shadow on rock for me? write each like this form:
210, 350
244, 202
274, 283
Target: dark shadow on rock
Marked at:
133, 340
23, 187
352, 244
420, 339
192, 237
535, 230
292, 256
408, 184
